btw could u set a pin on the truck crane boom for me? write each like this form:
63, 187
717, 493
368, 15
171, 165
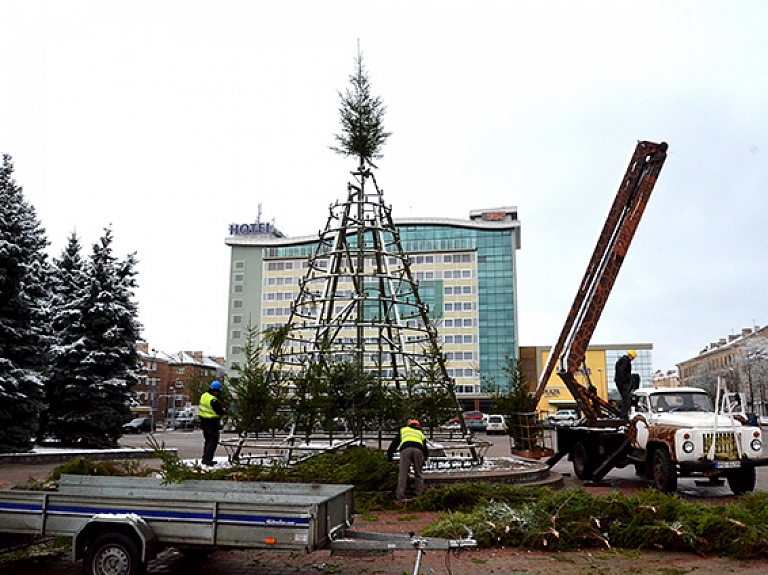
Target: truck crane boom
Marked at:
612, 245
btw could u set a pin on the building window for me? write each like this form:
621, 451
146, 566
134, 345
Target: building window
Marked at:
238, 288
237, 319
447, 258
237, 334
179, 384
235, 351
180, 370
239, 277
237, 304
239, 265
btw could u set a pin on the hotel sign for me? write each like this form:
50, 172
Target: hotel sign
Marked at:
256, 228
494, 216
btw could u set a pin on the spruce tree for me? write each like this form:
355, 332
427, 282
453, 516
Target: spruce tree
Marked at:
23, 315
68, 372
362, 116
96, 360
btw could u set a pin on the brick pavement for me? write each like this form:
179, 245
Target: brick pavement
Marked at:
470, 562
504, 561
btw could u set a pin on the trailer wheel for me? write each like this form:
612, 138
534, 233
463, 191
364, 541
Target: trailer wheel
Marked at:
741, 480
113, 554
583, 462
664, 471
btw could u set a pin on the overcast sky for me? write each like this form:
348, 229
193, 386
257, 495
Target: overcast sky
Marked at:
171, 120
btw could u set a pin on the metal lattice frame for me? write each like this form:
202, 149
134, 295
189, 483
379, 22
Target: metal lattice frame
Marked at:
359, 301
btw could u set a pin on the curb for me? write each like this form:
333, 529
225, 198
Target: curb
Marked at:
64, 456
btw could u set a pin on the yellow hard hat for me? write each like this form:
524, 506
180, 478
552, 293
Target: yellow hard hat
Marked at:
632, 353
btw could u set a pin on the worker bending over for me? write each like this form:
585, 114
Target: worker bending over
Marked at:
412, 444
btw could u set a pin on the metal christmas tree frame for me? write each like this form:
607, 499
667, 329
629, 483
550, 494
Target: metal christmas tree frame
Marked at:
359, 301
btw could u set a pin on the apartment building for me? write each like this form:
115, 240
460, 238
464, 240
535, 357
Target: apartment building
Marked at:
167, 382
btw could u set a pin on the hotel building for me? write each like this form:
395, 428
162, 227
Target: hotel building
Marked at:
466, 272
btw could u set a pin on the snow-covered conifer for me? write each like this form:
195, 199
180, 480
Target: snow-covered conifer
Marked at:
96, 358
23, 315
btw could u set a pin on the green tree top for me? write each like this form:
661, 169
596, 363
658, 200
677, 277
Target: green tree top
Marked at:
362, 116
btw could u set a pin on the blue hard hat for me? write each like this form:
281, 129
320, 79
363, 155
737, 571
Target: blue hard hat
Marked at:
216, 385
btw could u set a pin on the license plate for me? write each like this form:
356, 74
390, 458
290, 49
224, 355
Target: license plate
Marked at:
727, 464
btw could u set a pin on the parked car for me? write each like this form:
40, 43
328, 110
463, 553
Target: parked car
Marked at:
183, 422
139, 425
496, 424
564, 417
475, 420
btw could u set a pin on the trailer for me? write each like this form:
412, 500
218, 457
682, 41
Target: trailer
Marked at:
119, 524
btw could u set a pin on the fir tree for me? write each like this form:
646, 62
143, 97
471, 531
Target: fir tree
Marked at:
256, 401
96, 359
68, 283
362, 116
23, 315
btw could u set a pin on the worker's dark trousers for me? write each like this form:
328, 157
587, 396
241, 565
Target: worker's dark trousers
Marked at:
210, 426
410, 456
625, 389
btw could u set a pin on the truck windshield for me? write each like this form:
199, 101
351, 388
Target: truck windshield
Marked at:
669, 402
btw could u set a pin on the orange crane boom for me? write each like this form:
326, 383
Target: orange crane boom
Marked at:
612, 245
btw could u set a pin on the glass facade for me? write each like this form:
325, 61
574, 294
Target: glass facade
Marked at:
495, 265
642, 365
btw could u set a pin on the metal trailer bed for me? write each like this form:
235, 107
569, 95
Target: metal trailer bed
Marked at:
118, 524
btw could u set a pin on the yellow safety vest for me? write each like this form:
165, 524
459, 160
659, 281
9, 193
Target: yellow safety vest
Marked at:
205, 410
410, 434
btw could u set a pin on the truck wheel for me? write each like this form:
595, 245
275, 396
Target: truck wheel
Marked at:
113, 554
741, 480
583, 462
664, 471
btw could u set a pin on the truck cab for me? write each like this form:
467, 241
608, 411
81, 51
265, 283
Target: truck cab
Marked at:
678, 432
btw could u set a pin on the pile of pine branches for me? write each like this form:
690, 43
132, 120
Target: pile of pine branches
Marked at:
539, 518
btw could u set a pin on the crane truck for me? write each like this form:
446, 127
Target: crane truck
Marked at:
670, 432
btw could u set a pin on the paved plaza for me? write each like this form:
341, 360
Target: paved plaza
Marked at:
475, 561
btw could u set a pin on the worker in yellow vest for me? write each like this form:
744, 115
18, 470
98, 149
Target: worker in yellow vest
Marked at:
210, 412
412, 444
